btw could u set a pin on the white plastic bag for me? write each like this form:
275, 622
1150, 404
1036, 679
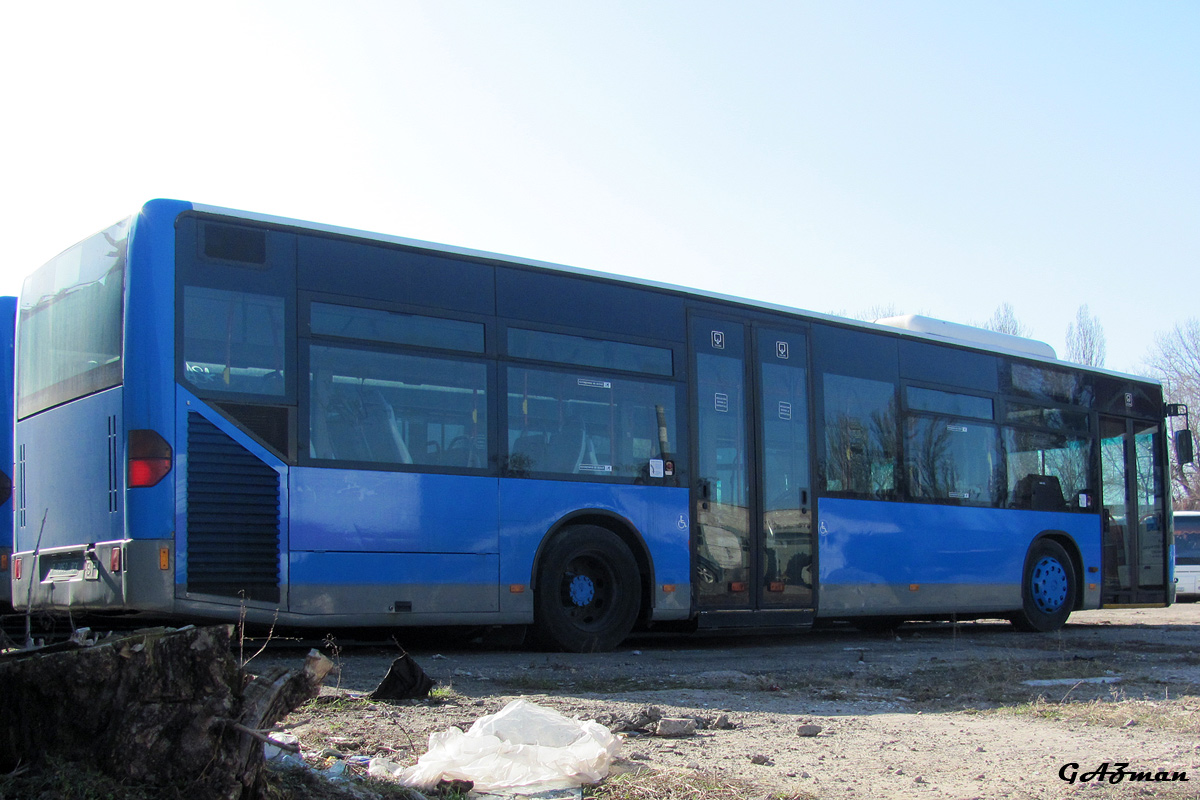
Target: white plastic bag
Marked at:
522, 745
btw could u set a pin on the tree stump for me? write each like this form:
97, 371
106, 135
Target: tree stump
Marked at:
167, 707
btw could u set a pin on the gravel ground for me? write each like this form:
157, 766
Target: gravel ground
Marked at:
928, 711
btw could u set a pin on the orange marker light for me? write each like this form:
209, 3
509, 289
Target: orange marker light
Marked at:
164, 558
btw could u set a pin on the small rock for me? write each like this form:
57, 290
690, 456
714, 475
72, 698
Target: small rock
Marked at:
759, 758
1130, 723
809, 730
919, 779
652, 713
693, 765
675, 727
330, 752
636, 756
722, 722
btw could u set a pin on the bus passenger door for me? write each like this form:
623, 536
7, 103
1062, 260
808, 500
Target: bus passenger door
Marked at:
785, 530
752, 503
721, 493
1133, 535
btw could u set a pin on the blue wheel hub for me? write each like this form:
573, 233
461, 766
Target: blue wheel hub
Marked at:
582, 590
1048, 585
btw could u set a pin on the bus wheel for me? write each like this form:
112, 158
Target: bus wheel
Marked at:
1047, 589
588, 593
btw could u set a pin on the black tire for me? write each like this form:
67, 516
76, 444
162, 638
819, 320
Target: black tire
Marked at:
1048, 588
588, 591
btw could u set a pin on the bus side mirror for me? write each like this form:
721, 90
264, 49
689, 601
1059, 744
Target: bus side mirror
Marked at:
1183, 446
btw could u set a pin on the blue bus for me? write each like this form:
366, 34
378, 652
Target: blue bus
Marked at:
8, 317
224, 413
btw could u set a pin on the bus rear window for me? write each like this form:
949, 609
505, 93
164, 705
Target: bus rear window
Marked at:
69, 330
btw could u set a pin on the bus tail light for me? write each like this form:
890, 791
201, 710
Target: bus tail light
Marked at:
149, 458
3, 562
16, 569
114, 560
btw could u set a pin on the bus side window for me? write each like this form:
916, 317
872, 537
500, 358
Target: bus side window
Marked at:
1046, 468
395, 408
860, 436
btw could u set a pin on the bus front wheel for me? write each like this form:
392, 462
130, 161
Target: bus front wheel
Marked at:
1048, 588
588, 595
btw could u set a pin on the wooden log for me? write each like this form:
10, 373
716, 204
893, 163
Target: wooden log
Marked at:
162, 706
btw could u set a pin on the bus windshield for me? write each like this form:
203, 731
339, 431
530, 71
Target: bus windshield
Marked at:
69, 330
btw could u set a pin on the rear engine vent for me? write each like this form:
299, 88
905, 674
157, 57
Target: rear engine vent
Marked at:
232, 517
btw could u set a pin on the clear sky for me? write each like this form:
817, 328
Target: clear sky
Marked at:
941, 157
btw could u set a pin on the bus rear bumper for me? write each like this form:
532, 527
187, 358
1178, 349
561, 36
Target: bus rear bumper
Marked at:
95, 577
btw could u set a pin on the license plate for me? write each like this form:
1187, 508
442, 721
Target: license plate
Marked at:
64, 567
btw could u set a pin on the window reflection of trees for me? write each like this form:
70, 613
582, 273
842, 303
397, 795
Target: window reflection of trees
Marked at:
954, 460
860, 433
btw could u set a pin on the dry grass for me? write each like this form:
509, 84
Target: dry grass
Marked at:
1180, 714
681, 786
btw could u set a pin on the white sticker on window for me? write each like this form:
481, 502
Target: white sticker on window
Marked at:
656, 468
595, 467
594, 384
721, 402
785, 410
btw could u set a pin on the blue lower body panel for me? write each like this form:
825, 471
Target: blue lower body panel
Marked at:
897, 558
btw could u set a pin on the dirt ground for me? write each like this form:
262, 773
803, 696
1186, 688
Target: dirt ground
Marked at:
932, 710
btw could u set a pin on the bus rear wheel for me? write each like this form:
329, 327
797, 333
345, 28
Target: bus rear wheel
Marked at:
588, 596
1048, 588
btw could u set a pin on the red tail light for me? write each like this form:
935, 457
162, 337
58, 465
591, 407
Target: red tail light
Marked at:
149, 458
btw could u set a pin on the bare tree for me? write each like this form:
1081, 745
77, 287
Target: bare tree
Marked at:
878, 311
1085, 339
1005, 321
1175, 359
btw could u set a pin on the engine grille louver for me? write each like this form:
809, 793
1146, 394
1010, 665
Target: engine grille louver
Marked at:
232, 517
